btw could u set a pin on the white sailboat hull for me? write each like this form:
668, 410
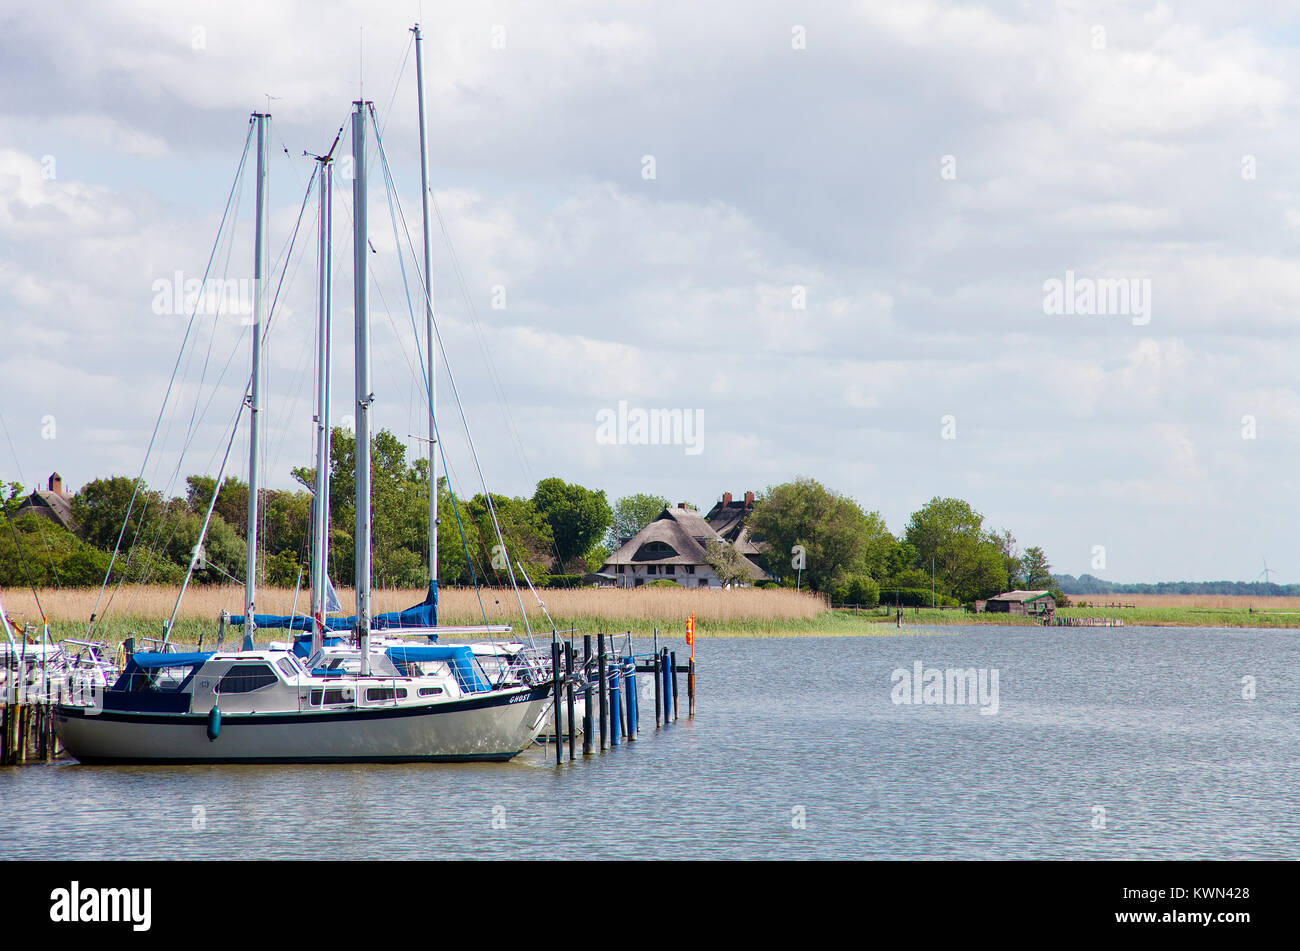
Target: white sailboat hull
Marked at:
498, 727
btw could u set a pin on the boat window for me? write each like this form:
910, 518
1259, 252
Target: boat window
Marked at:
285, 664
245, 678
430, 691
385, 693
334, 695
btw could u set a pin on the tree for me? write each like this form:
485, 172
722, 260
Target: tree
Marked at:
526, 534
577, 516
631, 514
730, 565
836, 535
232, 501
1035, 570
100, 508
15, 499
1006, 543
968, 562
36, 551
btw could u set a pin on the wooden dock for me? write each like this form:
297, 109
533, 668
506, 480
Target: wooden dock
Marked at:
1083, 622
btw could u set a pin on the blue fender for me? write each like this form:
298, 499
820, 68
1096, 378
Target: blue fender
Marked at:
214, 723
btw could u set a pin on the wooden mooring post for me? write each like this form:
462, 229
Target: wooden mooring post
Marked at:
690, 689
27, 733
586, 695
602, 687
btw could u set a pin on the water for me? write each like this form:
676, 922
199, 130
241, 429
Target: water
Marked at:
797, 751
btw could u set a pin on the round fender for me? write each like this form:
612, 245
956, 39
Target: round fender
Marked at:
214, 723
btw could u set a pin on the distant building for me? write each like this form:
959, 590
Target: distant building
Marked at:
52, 503
672, 547
1022, 602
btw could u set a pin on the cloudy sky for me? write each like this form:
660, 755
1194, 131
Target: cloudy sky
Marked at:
826, 231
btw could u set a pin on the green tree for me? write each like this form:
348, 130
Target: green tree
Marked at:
968, 562
232, 501
1036, 570
836, 534
100, 508
34, 550
13, 500
631, 514
730, 565
577, 516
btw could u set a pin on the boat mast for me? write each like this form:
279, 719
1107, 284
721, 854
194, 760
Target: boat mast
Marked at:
321, 485
255, 391
429, 331
361, 314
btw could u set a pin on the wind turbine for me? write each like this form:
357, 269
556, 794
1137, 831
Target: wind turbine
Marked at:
1265, 573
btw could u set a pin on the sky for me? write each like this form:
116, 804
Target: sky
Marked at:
836, 239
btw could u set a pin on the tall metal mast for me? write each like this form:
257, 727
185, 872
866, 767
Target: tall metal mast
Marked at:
432, 342
361, 311
321, 486
255, 391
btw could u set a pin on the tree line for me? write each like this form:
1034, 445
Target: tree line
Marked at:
813, 537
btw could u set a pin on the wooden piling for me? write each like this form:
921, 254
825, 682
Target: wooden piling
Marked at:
630, 680
615, 707
658, 690
690, 689
602, 687
672, 661
555, 681
568, 675
586, 695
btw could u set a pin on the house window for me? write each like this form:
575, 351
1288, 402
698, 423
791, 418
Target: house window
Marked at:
652, 569
690, 569
670, 569
622, 568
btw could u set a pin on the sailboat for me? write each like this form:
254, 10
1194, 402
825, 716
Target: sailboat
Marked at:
377, 699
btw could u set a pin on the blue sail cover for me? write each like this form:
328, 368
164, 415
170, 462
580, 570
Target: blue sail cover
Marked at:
424, 614
460, 658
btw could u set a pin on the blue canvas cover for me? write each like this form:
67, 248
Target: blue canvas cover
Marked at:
424, 614
141, 662
460, 658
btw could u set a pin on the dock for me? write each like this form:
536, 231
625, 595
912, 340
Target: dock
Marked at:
1083, 622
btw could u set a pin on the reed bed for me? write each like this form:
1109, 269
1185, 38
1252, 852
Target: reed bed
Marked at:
141, 609
1238, 602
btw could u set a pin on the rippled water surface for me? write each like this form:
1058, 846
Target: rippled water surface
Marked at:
1107, 743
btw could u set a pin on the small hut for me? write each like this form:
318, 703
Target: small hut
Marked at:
1022, 602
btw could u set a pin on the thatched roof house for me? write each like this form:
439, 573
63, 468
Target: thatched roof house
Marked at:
672, 547
52, 503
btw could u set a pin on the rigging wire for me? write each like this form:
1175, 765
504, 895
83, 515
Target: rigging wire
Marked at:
170, 384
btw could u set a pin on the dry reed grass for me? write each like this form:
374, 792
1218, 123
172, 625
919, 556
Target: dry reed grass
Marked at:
1239, 602
456, 605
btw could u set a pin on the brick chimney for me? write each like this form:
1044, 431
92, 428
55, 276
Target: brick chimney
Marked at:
749, 499
726, 498
56, 483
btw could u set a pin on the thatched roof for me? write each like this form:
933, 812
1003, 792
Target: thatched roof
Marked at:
676, 536
55, 506
727, 518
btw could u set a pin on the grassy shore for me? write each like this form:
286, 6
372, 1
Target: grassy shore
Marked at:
139, 612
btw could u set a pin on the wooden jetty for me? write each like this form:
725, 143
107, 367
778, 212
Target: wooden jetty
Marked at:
1083, 622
